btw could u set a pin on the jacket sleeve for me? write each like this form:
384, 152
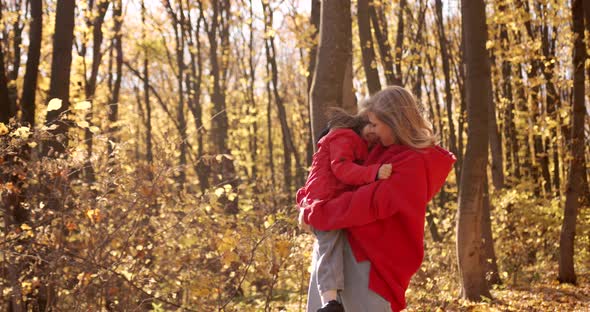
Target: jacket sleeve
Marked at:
405, 190
300, 195
343, 166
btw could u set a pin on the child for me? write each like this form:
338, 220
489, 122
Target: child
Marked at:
335, 169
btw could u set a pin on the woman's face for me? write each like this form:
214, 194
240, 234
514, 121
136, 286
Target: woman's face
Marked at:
381, 130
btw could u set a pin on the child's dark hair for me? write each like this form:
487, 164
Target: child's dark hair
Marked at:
339, 118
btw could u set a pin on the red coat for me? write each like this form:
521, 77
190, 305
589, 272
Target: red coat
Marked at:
334, 167
385, 220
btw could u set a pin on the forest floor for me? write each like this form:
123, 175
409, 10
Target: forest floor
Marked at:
529, 282
543, 294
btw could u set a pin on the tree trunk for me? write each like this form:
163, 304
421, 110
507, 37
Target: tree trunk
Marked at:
436, 97
146, 90
469, 230
399, 42
495, 145
219, 122
585, 184
115, 92
5, 111
27, 103
368, 52
530, 149
269, 128
552, 101
541, 159
379, 24
432, 225
288, 144
491, 265
509, 126
417, 65
522, 107
228, 169
251, 95
218, 30
181, 98
334, 49
17, 39
97, 37
61, 62
417, 89
273, 72
460, 76
574, 184
201, 167
349, 102
178, 24
316, 8
448, 95
59, 87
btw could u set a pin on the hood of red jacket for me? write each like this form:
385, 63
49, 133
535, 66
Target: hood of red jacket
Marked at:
439, 162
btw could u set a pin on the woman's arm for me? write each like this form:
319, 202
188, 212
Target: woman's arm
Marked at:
406, 188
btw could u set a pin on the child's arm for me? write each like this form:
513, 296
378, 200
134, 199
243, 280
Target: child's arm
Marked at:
405, 190
347, 171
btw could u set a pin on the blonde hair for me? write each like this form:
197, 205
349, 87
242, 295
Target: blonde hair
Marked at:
398, 108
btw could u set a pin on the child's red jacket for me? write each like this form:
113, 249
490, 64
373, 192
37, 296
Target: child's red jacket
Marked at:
385, 219
335, 167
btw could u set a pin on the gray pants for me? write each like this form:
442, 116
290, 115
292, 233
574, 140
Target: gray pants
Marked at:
330, 262
355, 295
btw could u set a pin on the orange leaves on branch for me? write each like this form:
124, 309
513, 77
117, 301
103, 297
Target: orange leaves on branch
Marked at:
94, 215
283, 248
146, 191
21, 132
3, 129
84, 278
27, 286
71, 226
9, 188
27, 230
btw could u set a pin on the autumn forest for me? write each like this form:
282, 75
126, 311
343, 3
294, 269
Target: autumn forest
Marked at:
150, 150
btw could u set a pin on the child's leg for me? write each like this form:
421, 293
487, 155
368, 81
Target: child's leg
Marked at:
330, 266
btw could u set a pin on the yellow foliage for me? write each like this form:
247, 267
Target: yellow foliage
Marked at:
84, 105
3, 129
54, 104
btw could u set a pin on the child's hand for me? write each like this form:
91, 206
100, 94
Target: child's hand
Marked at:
384, 172
302, 225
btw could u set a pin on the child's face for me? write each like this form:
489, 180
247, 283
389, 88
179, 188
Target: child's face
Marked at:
369, 135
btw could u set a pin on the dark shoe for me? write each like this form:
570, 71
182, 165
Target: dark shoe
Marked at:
332, 306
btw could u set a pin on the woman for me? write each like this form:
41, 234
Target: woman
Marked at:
334, 169
384, 221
